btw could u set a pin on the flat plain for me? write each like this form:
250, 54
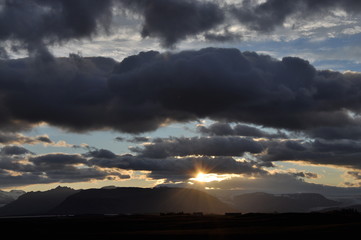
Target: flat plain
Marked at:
186, 226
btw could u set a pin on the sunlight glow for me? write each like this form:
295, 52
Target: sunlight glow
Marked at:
209, 177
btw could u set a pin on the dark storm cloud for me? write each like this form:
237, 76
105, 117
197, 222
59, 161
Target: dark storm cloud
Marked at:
342, 132
56, 161
270, 14
135, 139
66, 92
225, 84
148, 90
14, 150
340, 152
139, 139
9, 180
17, 167
34, 24
225, 129
175, 20
101, 153
207, 146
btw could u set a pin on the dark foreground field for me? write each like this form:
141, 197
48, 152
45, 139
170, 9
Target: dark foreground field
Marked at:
248, 226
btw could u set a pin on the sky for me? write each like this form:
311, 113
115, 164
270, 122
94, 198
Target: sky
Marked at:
215, 94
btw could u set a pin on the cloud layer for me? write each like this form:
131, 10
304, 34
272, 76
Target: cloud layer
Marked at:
148, 90
35, 25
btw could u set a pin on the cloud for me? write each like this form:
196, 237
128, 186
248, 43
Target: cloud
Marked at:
151, 89
225, 129
278, 184
206, 146
306, 175
54, 91
174, 169
175, 20
19, 166
18, 138
12, 138
235, 87
119, 139
339, 152
34, 24
270, 14
339, 132
355, 174
137, 139
14, 150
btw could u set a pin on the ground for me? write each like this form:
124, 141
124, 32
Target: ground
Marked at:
247, 226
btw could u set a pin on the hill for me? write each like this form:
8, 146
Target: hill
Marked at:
36, 203
140, 200
264, 202
7, 197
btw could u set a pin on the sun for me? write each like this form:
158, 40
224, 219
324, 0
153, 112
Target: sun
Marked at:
205, 177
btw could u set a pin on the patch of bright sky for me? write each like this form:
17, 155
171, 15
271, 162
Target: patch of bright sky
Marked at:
133, 182
102, 139
327, 174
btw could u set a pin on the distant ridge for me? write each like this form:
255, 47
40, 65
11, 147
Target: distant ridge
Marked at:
264, 202
140, 200
7, 197
132, 200
36, 203
113, 200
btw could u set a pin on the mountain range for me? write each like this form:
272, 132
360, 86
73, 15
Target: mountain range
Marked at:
298, 202
7, 197
114, 200
37, 203
66, 201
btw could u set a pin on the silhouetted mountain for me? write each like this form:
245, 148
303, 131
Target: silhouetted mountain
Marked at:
356, 208
264, 202
7, 197
34, 203
140, 200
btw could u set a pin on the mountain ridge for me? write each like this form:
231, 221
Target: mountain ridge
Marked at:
135, 200
293, 202
36, 203
140, 200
